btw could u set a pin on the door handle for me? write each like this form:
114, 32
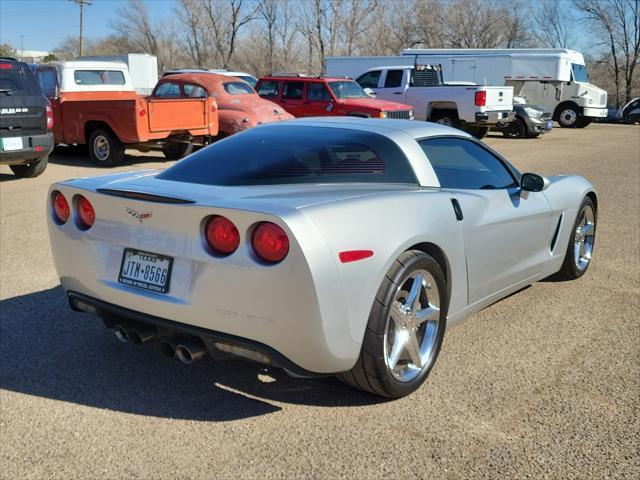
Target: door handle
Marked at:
456, 209
397, 93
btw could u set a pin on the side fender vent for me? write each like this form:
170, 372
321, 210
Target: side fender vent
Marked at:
554, 239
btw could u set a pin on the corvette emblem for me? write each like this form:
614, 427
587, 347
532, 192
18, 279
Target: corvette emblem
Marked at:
140, 216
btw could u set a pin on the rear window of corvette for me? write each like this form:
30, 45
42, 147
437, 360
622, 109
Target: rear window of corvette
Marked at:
295, 154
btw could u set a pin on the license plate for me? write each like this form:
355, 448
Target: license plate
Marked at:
145, 270
12, 143
549, 125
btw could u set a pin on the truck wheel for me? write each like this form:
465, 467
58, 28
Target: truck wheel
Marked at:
583, 122
446, 117
478, 132
569, 117
515, 129
176, 150
105, 149
405, 328
30, 170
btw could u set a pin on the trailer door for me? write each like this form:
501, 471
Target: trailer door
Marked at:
464, 70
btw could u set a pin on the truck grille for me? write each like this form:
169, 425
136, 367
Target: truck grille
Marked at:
399, 114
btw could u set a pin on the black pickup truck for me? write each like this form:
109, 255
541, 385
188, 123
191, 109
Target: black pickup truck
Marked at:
26, 120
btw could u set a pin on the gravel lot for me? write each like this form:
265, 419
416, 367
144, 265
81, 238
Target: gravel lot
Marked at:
544, 384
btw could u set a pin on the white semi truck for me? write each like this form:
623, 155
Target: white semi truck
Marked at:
556, 79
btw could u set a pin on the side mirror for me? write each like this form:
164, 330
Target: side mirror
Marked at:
532, 182
370, 92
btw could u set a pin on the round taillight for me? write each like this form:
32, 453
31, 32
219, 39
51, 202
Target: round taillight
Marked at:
222, 235
86, 213
270, 242
61, 208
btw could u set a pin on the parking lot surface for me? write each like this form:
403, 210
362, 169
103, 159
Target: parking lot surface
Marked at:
543, 384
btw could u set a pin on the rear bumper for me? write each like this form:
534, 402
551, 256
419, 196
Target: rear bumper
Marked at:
35, 148
594, 112
489, 118
84, 303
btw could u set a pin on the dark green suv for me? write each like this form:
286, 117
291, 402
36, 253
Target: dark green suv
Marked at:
26, 120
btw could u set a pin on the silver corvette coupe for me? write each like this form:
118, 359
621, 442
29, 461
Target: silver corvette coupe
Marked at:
322, 246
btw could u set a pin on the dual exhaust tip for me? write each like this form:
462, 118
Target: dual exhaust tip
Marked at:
187, 350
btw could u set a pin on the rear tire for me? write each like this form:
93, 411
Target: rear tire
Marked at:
478, 132
105, 149
175, 150
580, 249
30, 170
386, 367
446, 117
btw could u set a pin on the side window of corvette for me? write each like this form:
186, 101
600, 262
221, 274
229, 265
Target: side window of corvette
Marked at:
462, 163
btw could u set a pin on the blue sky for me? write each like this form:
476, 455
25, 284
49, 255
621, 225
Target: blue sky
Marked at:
44, 23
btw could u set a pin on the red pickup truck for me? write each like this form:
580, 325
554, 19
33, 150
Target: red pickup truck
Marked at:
94, 103
327, 96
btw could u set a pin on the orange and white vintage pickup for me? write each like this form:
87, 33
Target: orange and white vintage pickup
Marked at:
94, 103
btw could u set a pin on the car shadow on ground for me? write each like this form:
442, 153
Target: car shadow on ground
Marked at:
49, 351
79, 157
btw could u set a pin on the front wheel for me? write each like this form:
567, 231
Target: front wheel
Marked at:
31, 169
583, 122
580, 249
569, 117
105, 149
405, 328
515, 129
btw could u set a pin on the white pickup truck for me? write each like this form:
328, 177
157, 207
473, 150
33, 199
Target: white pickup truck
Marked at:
473, 108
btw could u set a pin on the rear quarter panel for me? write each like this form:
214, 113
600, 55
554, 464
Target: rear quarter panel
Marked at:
388, 224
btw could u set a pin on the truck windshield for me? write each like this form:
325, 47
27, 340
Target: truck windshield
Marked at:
344, 90
294, 155
579, 73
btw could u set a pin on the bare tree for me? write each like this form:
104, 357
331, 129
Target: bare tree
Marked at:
134, 22
619, 23
268, 12
551, 22
483, 24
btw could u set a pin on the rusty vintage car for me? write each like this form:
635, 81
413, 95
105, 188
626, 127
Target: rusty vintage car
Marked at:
239, 106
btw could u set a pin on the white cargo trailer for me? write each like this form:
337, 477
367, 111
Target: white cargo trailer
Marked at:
557, 79
143, 69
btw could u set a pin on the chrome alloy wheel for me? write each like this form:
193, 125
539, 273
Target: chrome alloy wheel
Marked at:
412, 325
101, 147
583, 238
569, 116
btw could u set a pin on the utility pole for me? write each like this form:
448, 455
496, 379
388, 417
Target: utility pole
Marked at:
21, 47
81, 3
